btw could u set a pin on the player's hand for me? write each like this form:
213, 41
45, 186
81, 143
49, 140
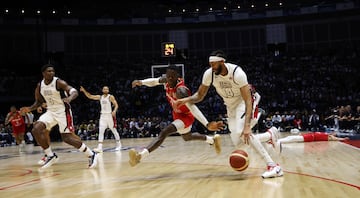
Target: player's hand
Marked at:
215, 126
246, 135
179, 102
67, 100
82, 89
24, 110
136, 83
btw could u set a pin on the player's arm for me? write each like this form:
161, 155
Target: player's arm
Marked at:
39, 100
116, 106
149, 82
7, 119
246, 95
71, 91
182, 92
195, 98
89, 95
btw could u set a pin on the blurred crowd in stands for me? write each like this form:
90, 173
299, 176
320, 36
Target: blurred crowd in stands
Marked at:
306, 91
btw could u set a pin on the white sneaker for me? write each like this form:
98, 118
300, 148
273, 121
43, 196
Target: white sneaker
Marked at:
98, 150
273, 171
50, 161
118, 146
93, 160
42, 160
274, 136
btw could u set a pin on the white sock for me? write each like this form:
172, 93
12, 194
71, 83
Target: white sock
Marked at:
100, 146
49, 152
86, 150
209, 139
144, 153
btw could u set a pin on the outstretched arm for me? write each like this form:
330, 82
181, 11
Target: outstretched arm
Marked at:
88, 95
149, 82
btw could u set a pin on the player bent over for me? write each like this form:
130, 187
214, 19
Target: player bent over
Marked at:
183, 115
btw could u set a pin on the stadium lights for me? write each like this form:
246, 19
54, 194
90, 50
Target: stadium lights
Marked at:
170, 10
38, 12
224, 7
22, 11
266, 5
6, 11
210, 9
238, 6
280, 4
68, 12
54, 11
197, 9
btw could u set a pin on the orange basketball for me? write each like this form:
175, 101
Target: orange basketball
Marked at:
239, 160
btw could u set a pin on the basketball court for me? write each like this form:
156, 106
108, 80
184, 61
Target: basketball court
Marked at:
182, 169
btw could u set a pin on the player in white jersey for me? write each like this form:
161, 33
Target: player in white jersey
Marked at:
57, 94
107, 116
231, 83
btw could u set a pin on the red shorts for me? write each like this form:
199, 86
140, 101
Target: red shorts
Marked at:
18, 129
316, 136
187, 118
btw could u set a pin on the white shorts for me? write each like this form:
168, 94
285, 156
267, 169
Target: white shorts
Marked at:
63, 119
180, 127
107, 121
236, 120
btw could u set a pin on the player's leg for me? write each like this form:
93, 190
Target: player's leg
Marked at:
135, 156
113, 126
66, 129
102, 127
236, 124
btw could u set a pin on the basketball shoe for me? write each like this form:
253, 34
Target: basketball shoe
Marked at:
134, 157
93, 160
98, 149
273, 171
42, 160
118, 146
50, 160
217, 143
275, 134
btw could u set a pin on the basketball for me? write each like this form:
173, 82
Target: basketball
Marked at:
239, 160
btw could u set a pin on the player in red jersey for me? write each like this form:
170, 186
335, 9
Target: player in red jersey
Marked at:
18, 126
309, 137
183, 115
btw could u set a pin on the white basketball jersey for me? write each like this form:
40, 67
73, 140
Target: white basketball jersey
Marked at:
105, 104
228, 86
52, 96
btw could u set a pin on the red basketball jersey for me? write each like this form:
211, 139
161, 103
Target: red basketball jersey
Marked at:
17, 123
183, 113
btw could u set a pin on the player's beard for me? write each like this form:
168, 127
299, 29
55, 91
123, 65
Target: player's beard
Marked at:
218, 70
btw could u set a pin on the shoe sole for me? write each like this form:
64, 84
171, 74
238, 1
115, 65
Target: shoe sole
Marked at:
217, 143
132, 157
94, 164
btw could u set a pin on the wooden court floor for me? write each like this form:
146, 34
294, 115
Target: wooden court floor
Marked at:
182, 169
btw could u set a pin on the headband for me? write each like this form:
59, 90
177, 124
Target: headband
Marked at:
216, 59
